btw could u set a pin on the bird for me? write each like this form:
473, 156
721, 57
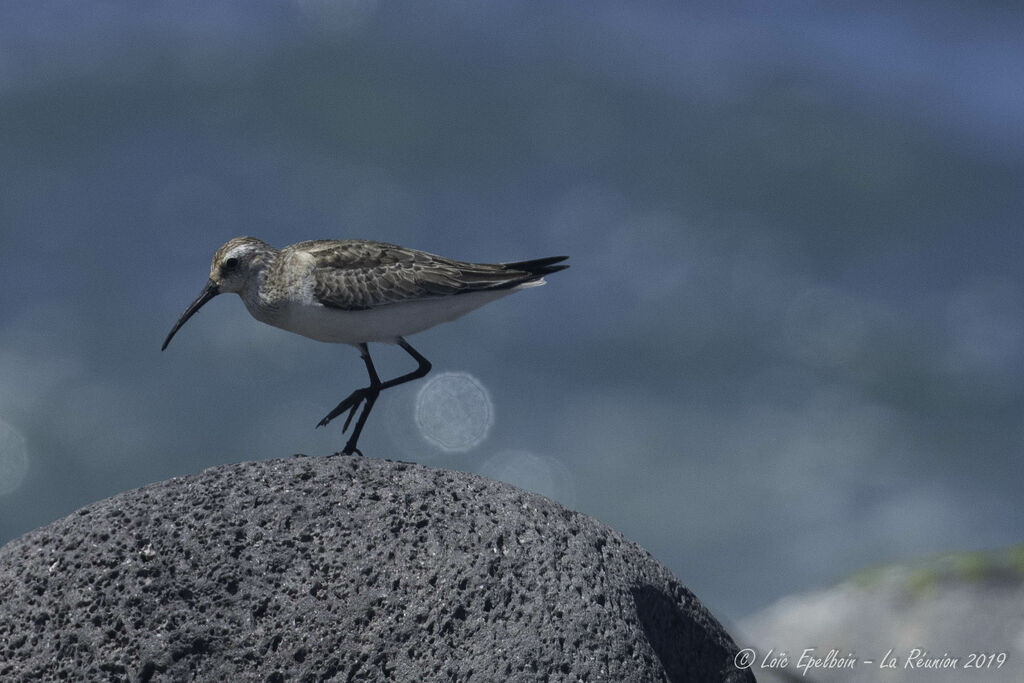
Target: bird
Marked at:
355, 292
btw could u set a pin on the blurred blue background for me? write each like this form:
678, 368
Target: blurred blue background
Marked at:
789, 346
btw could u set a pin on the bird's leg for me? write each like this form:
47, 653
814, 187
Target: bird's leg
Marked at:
351, 403
370, 393
376, 387
422, 369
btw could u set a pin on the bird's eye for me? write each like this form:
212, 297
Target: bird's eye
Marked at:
229, 265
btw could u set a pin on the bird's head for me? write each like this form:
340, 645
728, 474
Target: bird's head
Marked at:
233, 267
234, 263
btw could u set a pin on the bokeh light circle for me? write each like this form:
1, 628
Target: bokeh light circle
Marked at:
533, 472
454, 412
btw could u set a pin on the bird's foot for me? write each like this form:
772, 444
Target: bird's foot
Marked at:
354, 451
351, 404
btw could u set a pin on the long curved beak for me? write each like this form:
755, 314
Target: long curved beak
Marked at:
211, 290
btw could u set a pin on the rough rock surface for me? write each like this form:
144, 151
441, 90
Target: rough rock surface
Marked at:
345, 569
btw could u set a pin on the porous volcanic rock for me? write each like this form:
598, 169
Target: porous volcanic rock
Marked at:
345, 569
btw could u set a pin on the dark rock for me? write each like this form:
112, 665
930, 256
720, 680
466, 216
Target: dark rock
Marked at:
345, 569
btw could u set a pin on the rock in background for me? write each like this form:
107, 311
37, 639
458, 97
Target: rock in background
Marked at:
345, 569
942, 608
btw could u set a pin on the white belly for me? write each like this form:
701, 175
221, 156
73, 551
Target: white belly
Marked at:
381, 324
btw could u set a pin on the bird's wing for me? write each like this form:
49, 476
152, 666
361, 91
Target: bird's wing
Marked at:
357, 275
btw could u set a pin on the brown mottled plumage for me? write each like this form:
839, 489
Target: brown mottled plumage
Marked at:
358, 274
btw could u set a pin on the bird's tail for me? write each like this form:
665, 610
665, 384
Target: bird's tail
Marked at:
538, 267
493, 276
